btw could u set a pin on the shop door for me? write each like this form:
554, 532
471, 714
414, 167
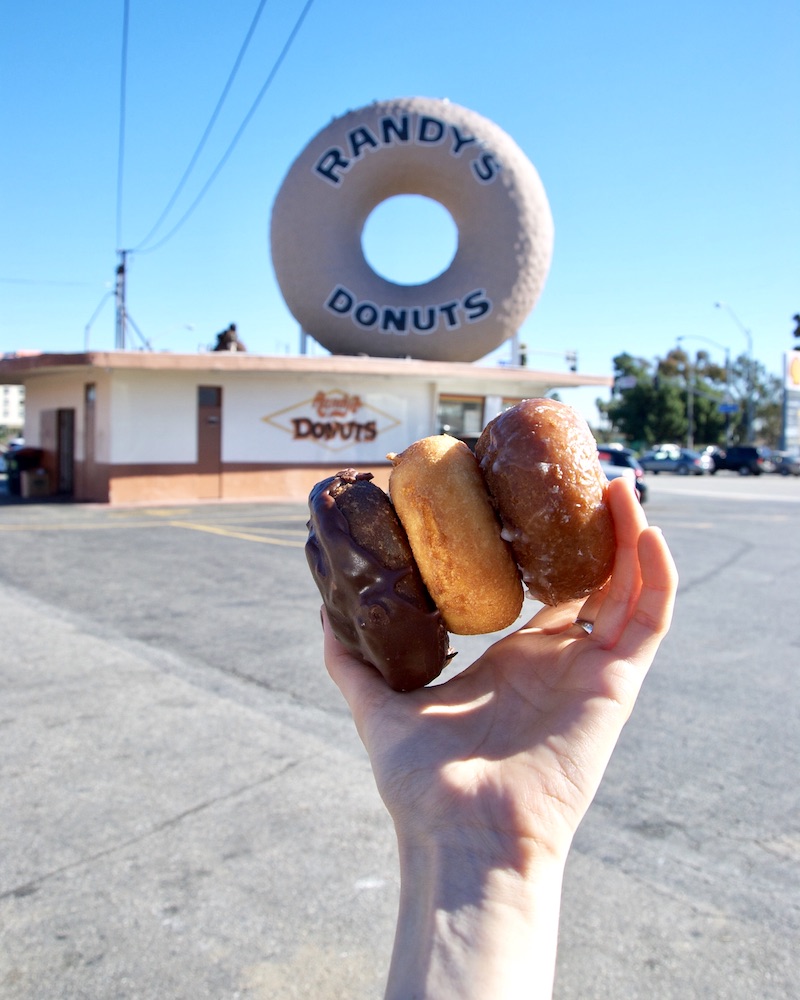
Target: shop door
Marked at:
209, 442
66, 452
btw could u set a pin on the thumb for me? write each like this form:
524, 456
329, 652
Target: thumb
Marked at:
361, 685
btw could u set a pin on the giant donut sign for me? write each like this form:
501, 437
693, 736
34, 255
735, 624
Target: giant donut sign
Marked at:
412, 146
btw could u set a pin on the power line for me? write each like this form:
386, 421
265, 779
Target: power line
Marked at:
240, 131
209, 126
55, 282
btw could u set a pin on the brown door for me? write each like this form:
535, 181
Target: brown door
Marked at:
87, 480
209, 441
66, 452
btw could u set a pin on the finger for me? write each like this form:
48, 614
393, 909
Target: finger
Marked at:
554, 618
629, 521
654, 608
590, 608
361, 685
622, 591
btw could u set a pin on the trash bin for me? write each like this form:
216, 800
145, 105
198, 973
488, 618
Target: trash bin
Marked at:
34, 483
18, 461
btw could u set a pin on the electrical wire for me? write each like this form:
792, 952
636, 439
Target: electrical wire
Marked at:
211, 122
238, 135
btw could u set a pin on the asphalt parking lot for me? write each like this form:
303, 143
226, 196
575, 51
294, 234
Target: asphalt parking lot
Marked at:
186, 812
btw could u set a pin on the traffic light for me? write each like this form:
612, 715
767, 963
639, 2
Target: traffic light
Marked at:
796, 319
572, 360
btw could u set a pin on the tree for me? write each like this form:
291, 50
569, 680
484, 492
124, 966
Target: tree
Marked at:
654, 401
643, 407
767, 406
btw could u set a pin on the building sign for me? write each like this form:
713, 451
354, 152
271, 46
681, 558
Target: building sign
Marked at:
412, 146
400, 319
791, 399
391, 129
791, 368
333, 419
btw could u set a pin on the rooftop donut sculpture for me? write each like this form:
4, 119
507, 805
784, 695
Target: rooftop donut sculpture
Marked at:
427, 147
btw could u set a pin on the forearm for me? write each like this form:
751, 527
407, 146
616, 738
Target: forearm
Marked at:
471, 929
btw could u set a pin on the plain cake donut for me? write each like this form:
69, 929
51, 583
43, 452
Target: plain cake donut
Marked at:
439, 495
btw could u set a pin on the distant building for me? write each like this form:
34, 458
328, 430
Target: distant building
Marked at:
12, 406
132, 426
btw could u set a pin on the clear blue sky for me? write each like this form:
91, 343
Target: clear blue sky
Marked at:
667, 136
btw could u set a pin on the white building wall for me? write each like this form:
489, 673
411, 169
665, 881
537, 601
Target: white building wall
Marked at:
319, 420
153, 418
146, 417
55, 392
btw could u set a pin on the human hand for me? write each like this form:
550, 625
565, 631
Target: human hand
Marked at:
516, 744
497, 766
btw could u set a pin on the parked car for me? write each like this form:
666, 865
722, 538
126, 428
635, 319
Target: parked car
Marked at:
671, 458
747, 460
617, 457
785, 463
621, 472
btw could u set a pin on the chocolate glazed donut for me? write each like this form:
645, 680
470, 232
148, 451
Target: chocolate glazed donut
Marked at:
373, 593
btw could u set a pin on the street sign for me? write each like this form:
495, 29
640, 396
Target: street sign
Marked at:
728, 407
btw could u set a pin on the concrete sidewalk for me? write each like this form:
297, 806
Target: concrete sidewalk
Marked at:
163, 839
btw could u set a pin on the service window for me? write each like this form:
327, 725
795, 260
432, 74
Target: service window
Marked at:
461, 416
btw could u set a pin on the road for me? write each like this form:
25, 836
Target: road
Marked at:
186, 812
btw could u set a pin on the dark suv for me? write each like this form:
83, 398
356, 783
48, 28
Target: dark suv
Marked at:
744, 459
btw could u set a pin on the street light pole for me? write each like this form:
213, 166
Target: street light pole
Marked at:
727, 352
749, 380
689, 399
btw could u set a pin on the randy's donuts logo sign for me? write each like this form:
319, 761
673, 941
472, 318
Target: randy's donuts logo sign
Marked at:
334, 419
335, 404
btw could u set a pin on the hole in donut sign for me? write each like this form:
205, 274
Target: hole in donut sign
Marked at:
409, 239
437, 151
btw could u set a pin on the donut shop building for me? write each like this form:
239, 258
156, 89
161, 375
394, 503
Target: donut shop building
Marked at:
125, 427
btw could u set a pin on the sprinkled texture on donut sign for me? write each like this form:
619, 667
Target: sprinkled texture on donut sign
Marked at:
418, 146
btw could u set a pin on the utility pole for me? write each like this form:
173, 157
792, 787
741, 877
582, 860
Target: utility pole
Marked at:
122, 316
748, 413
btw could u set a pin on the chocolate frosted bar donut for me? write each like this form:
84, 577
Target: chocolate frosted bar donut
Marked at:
373, 593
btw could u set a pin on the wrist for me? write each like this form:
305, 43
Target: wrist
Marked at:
475, 922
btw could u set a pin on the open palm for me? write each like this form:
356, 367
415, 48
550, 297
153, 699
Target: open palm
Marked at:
510, 752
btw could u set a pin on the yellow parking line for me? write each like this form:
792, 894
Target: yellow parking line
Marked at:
292, 537
245, 536
96, 526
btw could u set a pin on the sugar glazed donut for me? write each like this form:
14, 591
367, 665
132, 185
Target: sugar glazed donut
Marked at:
439, 495
539, 461
412, 146
376, 602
